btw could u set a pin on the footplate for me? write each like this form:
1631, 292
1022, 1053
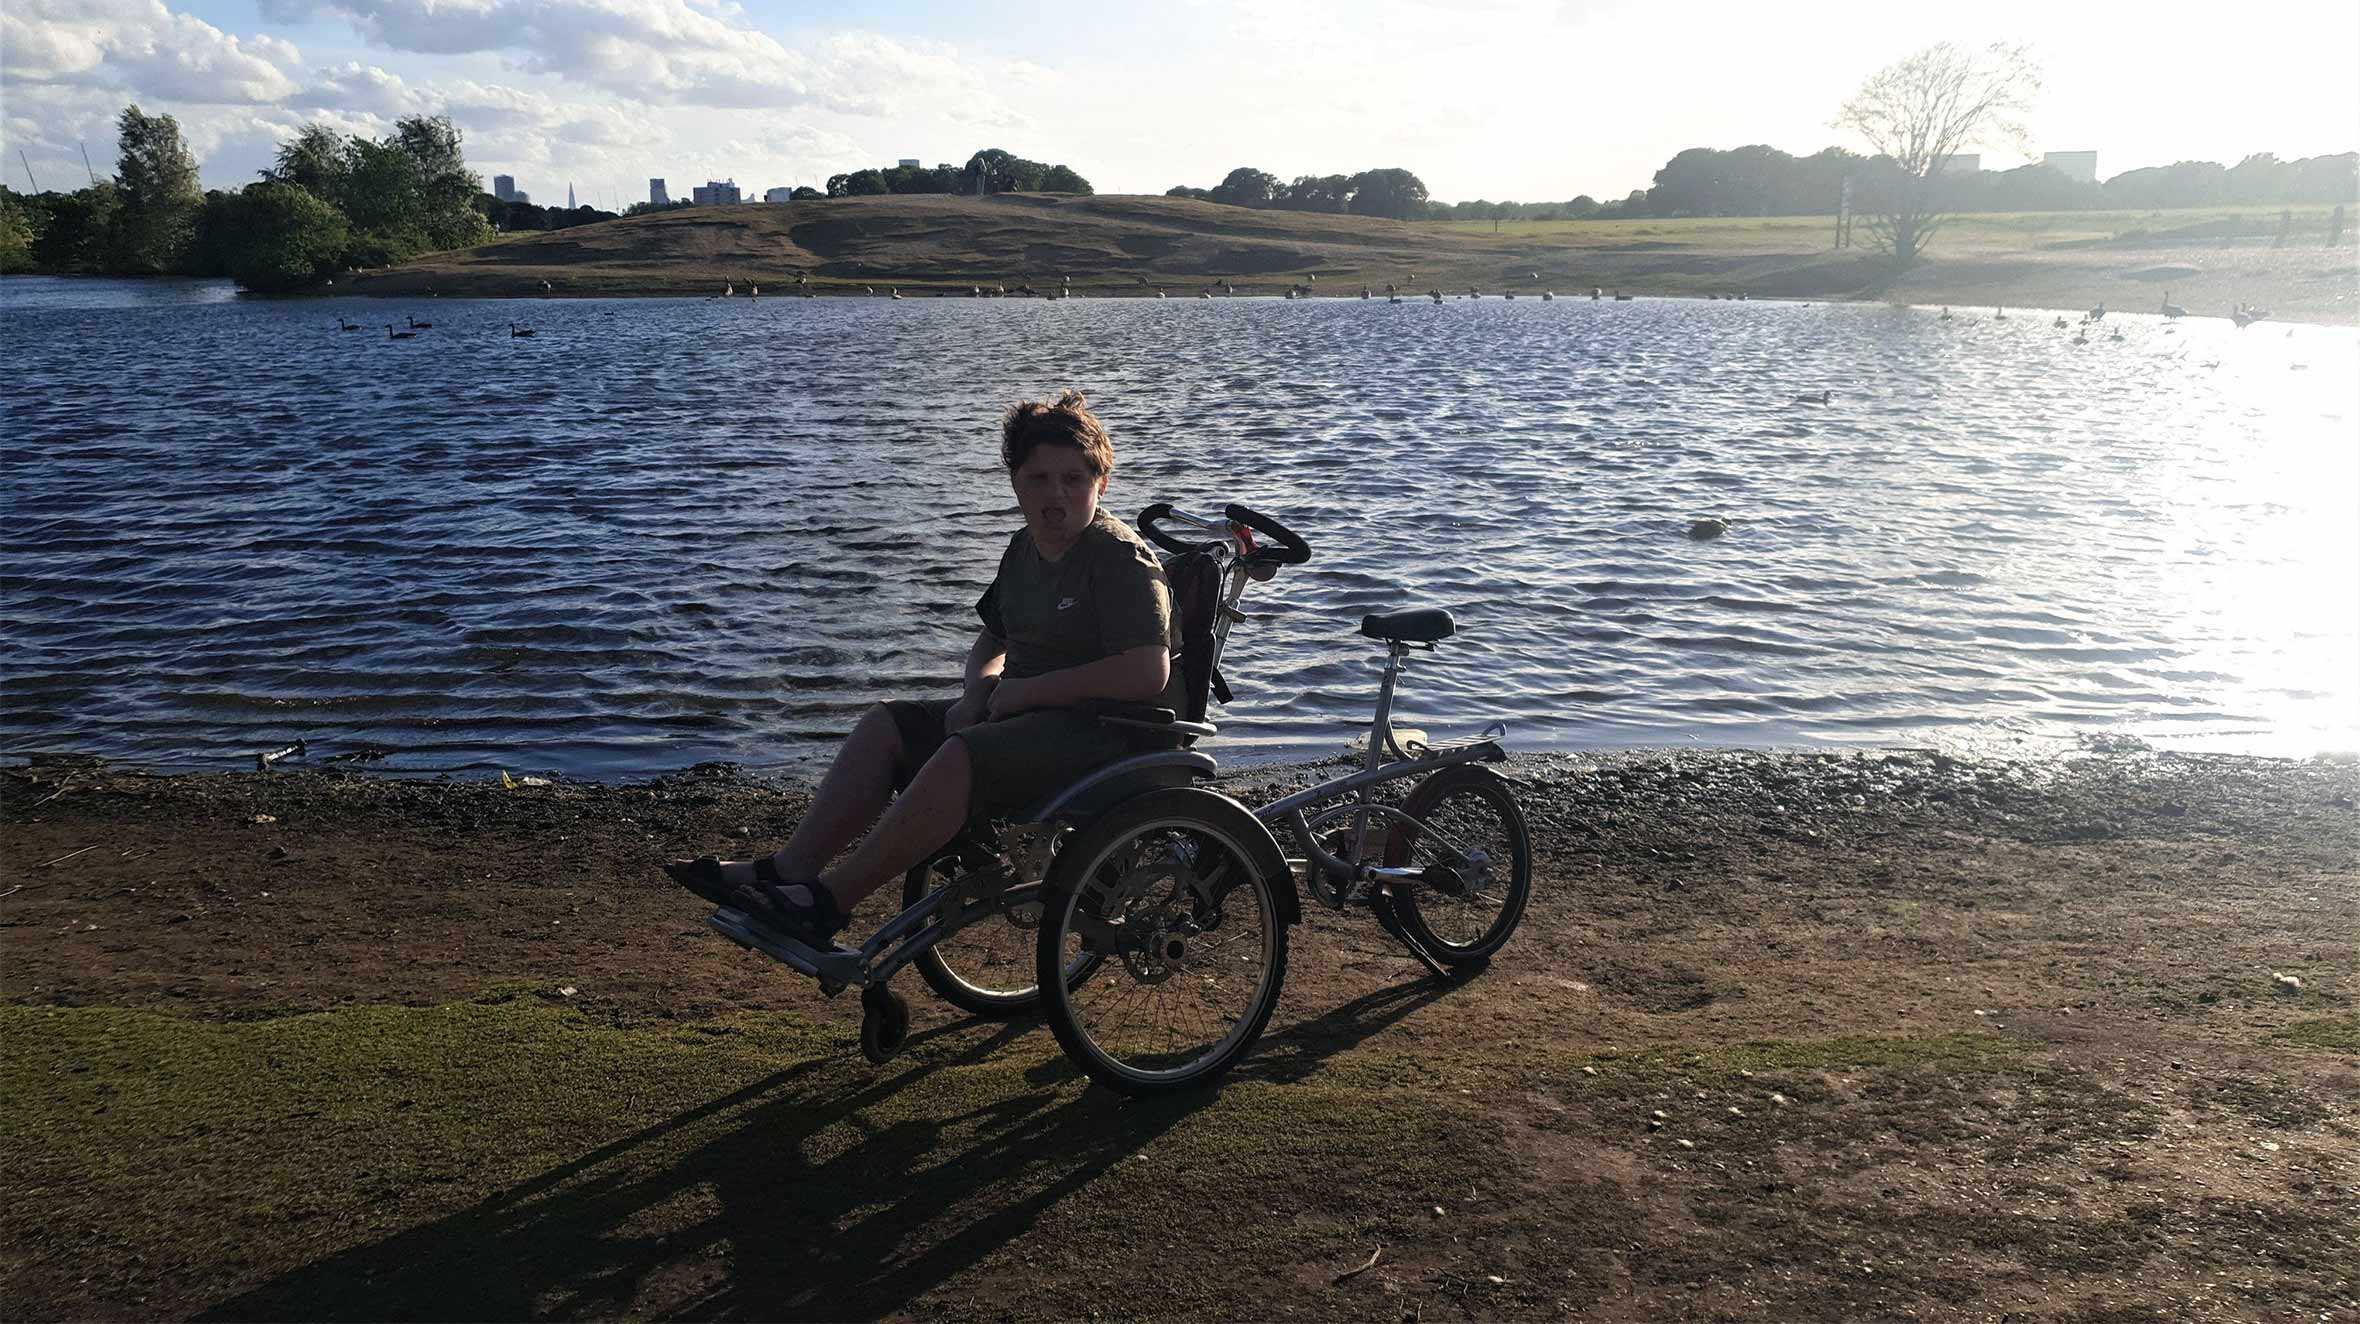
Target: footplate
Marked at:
836, 969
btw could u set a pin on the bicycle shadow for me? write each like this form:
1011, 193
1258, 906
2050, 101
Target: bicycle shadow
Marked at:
753, 1206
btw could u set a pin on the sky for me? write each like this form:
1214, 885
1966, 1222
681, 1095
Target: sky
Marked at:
1531, 100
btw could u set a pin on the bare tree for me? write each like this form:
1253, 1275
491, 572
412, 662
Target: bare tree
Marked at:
1922, 111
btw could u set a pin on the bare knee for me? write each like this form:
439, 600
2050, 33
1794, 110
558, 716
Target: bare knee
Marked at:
878, 733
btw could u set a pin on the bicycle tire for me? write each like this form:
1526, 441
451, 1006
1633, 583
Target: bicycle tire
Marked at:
1401, 843
971, 997
1211, 819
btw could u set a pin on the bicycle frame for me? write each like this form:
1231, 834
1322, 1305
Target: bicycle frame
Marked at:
1348, 879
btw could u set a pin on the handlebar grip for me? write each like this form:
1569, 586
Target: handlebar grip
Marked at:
1147, 529
1291, 550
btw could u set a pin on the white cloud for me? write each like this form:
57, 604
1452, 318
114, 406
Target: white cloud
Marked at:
676, 51
141, 48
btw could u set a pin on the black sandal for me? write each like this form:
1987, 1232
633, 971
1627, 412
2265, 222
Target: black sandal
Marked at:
815, 922
702, 876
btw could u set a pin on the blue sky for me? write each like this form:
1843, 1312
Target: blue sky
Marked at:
1526, 99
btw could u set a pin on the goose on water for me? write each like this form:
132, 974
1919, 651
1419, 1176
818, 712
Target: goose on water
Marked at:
1823, 397
416, 325
391, 334
343, 325
2245, 317
516, 332
2171, 309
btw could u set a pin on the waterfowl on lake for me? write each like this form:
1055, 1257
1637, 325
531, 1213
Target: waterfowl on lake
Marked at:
1999, 314
2115, 334
2097, 314
896, 291
516, 332
2245, 317
1595, 292
2171, 309
1821, 398
2060, 323
1704, 530
391, 334
1945, 316
1546, 296
343, 325
1620, 297
416, 325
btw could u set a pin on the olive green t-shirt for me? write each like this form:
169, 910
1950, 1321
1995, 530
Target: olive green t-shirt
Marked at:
1106, 595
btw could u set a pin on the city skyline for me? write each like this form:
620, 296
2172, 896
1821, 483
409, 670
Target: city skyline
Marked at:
1507, 93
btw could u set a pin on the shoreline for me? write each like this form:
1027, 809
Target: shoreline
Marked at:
307, 1045
916, 289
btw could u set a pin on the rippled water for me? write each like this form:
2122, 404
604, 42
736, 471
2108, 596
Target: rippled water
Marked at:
667, 531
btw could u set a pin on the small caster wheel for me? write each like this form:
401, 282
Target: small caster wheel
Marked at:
884, 1023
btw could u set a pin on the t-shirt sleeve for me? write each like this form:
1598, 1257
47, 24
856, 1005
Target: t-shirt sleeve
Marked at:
1134, 599
987, 607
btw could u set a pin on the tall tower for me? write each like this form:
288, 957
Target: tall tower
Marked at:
569, 195
657, 194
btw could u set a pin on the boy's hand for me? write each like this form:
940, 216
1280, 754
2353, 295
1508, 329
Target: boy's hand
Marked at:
1009, 698
972, 708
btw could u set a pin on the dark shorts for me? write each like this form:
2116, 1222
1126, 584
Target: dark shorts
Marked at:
1019, 762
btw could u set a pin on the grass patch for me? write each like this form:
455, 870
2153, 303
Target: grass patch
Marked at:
2339, 1034
507, 1157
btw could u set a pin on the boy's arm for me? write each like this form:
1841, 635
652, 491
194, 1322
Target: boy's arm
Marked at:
985, 657
1136, 675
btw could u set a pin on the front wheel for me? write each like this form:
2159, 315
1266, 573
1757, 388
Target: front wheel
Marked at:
1469, 837
1189, 943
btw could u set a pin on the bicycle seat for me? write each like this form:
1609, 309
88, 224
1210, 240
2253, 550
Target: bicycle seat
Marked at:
1418, 625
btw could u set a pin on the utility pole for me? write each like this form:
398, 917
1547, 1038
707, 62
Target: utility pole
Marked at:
20, 155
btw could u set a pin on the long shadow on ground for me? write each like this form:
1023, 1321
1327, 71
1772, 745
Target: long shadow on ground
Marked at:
753, 1206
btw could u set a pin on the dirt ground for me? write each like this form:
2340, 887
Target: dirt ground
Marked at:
1793, 1036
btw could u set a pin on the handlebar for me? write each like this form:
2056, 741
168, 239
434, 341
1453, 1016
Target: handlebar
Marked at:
1233, 523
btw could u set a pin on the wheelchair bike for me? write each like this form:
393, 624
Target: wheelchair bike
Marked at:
1145, 915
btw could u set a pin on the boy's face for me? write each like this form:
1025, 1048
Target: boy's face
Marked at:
1059, 493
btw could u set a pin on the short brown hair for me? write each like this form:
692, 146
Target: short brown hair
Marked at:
1068, 422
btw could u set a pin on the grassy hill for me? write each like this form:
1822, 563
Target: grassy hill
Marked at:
1137, 245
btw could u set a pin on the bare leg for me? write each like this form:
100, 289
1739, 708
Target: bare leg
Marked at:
925, 816
849, 798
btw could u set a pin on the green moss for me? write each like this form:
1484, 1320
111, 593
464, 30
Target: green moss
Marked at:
508, 1156
2335, 1033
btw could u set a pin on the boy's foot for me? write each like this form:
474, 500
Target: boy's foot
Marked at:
804, 911
711, 878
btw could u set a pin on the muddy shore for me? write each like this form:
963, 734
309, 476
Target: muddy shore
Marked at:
1804, 1035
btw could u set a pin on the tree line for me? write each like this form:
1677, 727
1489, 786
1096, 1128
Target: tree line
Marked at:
1763, 181
991, 170
329, 202
1391, 192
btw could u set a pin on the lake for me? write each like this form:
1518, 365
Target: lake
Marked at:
667, 531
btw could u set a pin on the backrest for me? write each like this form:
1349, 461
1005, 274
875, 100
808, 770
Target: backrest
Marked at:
1196, 599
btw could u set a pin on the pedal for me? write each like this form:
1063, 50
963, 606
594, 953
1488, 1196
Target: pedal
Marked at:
834, 968
1381, 905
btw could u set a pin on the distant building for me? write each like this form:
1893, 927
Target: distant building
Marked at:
714, 191
2073, 165
504, 188
910, 161
778, 195
1959, 163
657, 194
569, 195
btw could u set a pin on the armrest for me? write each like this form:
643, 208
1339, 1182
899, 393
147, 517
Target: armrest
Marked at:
1149, 717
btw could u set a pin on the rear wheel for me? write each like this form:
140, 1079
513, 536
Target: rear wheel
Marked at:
985, 969
1187, 936
1471, 840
